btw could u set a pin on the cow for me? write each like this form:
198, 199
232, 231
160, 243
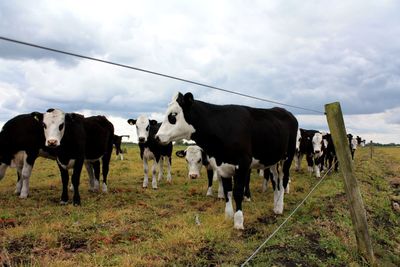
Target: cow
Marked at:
360, 141
196, 158
117, 141
150, 149
76, 141
330, 153
21, 139
312, 145
239, 138
352, 144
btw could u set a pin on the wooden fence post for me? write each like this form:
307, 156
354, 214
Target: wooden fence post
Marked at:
358, 215
371, 148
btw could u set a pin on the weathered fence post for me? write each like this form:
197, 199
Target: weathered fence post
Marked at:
358, 215
371, 148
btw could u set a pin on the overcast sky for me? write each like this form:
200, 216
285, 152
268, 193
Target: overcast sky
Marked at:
303, 53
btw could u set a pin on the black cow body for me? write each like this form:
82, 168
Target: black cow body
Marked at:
238, 136
117, 141
315, 162
85, 140
21, 139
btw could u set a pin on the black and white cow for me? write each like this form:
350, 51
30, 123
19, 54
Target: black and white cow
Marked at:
360, 141
21, 139
330, 153
150, 149
239, 138
117, 141
196, 158
312, 145
352, 144
77, 140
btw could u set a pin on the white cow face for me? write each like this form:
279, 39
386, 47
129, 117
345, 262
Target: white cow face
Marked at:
354, 143
54, 127
174, 126
317, 144
142, 127
193, 156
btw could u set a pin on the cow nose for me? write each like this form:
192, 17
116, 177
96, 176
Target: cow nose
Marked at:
52, 142
317, 151
193, 176
158, 139
141, 139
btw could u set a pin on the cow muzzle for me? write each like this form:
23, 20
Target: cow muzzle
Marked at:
193, 176
52, 143
142, 139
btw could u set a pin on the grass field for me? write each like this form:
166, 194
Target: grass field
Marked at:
131, 226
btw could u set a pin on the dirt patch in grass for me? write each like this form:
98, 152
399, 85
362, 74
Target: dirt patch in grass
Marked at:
73, 242
8, 223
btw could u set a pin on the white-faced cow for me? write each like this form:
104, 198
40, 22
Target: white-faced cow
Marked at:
352, 144
150, 149
196, 158
21, 139
313, 146
77, 140
239, 138
117, 141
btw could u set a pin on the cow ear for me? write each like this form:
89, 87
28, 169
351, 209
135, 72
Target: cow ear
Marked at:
50, 110
153, 122
180, 153
131, 121
188, 99
73, 117
37, 116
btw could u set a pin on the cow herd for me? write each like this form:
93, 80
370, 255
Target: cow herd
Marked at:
230, 141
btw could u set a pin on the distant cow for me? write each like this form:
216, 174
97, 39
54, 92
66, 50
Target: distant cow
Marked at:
117, 141
352, 144
313, 146
239, 138
77, 140
21, 139
150, 149
330, 153
196, 158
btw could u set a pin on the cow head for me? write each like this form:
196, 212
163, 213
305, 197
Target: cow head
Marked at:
353, 143
175, 127
54, 126
194, 156
318, 144
142, 127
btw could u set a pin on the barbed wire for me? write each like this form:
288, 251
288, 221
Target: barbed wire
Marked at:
156, 73
287, 218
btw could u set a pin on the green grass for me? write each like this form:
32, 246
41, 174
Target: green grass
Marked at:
131, 226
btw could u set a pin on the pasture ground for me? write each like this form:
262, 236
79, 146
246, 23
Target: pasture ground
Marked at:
131, 226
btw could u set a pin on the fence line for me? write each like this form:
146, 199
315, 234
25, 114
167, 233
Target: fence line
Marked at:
156, 73
287, 218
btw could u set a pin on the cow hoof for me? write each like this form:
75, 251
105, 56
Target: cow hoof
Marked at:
278, 211
221, 196
169, 180
209, 192
159, 178
17, 192
71, 188
228, 213
238, 220
247, 199
76, 204
62, 202
104, 188
23, 196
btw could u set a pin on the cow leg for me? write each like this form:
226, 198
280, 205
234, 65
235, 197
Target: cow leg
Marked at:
227, 186
25, 176
160, 168
146, 170
89, 169
316, 168
210, 182
310, 163
238, 191
154, 172
169, 177
247, 194
76, 175
279, 188
122, 156
18, 187
64, 179
105, 161
96, 169
220, 188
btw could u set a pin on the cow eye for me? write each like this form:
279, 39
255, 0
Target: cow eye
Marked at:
199, 161
172, 118
44, 125
61, 126
147, 128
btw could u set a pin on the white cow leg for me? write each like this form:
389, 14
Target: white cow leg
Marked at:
264, 185
287, 189
279, 191
146, 170
238, 220
209, 192
169, 177
26, 174
122, 156
317, 172
154, 179
18, 187
90, 172
229, 207
160, 168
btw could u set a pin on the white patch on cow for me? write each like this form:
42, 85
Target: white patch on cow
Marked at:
317, 145
70, 164
279, 192
54, 127
287, 189
354, 143
26, 174
104, 188
264, 186
226, 170
298, 138
317, 172
229, 207
238, 220
178, 128
142, 128
220, 188
261, 173
209, 192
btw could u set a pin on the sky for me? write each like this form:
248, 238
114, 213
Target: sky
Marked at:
302, 53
